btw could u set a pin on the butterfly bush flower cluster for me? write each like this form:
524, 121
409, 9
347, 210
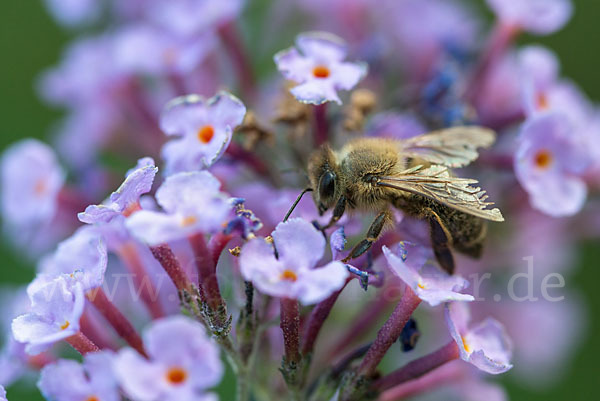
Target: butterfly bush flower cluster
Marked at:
192, 260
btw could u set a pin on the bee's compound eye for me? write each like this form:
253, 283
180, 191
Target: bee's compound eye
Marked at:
327, 185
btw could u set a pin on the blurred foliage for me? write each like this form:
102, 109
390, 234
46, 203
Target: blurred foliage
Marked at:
30, 41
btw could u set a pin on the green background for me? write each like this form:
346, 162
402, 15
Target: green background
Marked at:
31, 41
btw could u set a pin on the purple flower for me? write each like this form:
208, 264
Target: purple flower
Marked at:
337, 242
14, 361
486, 346
84, 253
71, 13
541, 17
92, 380
394, 125
2, 393
80, 147
56, 307
183, 363
549, 161
86, 74
320, 70
192, 203
125, 200
190, 17
203, 128
424, 31
409, 263
31, 182
144, 49
292, 273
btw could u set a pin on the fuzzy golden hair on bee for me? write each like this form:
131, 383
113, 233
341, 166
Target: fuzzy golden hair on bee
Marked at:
376, 174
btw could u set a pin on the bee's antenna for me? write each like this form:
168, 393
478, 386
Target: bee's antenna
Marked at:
287, 215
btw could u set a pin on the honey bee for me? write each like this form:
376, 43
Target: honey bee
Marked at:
412, 175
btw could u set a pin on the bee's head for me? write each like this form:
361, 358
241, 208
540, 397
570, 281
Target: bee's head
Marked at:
323, 172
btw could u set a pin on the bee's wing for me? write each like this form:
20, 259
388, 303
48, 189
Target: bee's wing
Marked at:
452, 147
435, 182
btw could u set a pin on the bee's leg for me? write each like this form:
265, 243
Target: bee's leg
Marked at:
440, 242
338, 212
372, 235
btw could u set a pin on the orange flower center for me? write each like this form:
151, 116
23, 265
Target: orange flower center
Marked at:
289, 275
206, 133
321, 71
176, 375
131, 209
543, 159
542, 101
65, 325
92, 398
467, 348
40, 187
188, 221
421, 286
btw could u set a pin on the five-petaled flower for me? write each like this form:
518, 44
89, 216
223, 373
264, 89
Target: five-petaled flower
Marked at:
183, 363
486, 345
93, 380
203, 128
320, 70
56, 307
287, 268
409, 263
192, 203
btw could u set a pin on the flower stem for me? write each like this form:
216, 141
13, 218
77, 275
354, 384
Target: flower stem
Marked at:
216, 244
207, 272
170, 264
361, 325
88, 326
130, 257
499, 41
241, 62
117, 320
316, 320
250, 159
290, 326
419, 367
82, 344
390, 332
321, 124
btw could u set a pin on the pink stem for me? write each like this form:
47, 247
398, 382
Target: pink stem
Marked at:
419, 367
90, 329
131, 258
250, 159
499, 41
365, 322
216, 244
390, 332
117, 320
241, 62
317, 318
290, 326
429, 382
321, 124
207, 272
82, 344
170, 264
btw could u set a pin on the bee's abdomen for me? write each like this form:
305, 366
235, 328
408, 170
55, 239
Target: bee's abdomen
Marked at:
467, 232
